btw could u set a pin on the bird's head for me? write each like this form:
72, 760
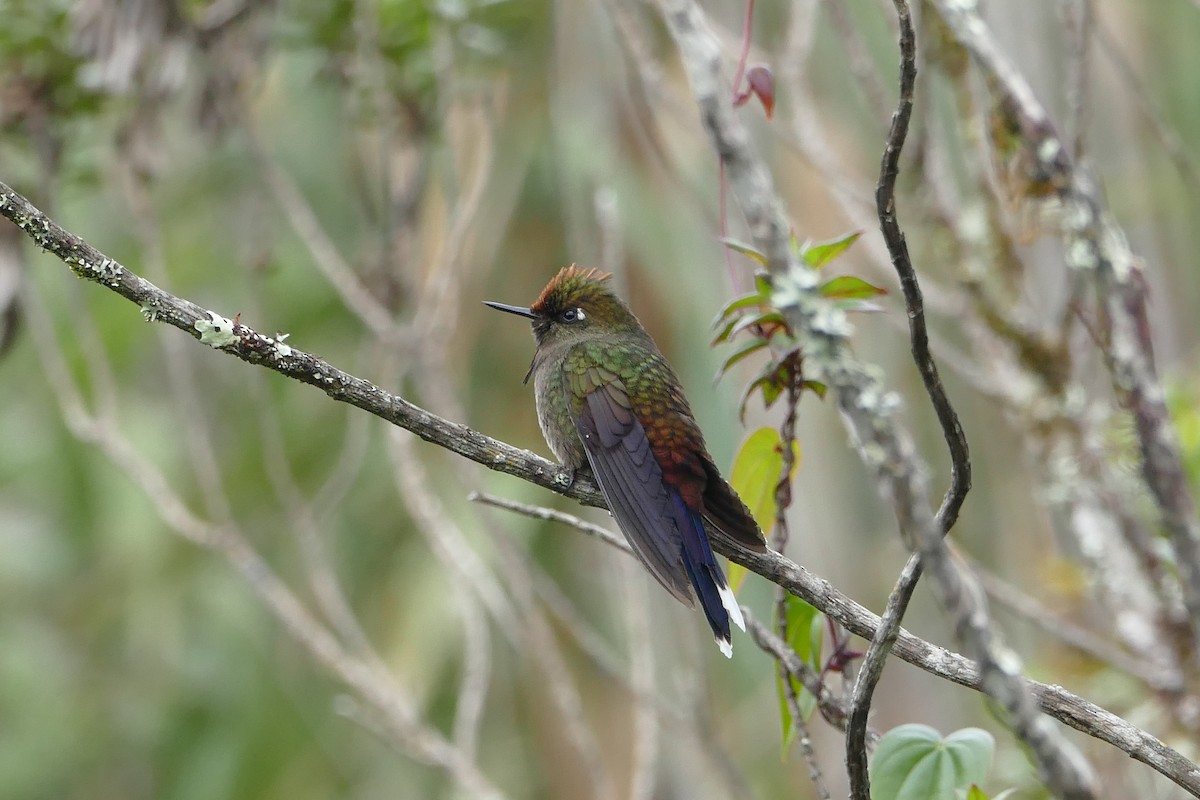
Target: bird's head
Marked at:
575, 305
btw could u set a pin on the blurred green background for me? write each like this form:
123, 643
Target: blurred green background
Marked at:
447, 153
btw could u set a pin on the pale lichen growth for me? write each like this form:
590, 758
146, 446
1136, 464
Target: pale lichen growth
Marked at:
216, 332
832, 321
1081, 255
1079, 216
106, 272
282, 350
149, 312
1115, 249
1049, 150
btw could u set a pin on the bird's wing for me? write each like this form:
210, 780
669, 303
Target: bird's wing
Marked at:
728, 513
647, 511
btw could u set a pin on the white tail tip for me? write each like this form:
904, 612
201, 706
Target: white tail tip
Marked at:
726, 647
729, 600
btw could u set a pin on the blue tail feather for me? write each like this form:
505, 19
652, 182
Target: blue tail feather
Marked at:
703, 571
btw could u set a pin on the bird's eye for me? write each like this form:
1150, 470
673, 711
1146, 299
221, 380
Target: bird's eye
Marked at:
571, 315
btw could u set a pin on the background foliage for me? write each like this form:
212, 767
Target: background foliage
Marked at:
360, 175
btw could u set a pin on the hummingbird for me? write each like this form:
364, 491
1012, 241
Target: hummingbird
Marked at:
608, 400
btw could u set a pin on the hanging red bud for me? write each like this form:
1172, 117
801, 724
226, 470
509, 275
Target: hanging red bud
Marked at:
760, 83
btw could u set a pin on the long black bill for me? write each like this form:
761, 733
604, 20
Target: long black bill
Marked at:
518, 310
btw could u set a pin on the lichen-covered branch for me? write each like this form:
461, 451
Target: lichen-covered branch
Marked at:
1097, 249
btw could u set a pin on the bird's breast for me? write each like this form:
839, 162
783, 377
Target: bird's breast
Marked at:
555, 416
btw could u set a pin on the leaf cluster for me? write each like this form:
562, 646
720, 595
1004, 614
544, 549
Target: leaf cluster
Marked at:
756, 318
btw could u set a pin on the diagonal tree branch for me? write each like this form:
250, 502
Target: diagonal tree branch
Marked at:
248, 345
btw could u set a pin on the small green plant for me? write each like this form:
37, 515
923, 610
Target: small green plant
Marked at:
762, 472
763, 328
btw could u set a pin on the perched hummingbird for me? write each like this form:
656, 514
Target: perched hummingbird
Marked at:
607, 398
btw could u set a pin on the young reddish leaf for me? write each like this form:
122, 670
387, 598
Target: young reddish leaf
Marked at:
762, 85
848, 287
819, 254
751, 347
744, 249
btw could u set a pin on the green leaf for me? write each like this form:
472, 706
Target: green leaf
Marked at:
820, 254
737, 574
816, 387
744, 249
848, 287
914, 762
725, 332
745, 301
757, 383
749, 348
806, 632
762, 283
770, 317
805, 627
756, 471
771, 389
975, 793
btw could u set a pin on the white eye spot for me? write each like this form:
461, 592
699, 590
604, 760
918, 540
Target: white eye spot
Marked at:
572, 315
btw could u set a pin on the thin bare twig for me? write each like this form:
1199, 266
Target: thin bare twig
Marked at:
858, 58
327, 258
956, 441
520, 620
1173, 145
552, 515
1079, 29
783, 500
832, 709
646, 722
804, 742
191, 417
